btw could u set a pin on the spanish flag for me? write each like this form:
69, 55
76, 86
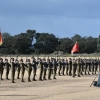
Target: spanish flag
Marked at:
1, 39
75, 48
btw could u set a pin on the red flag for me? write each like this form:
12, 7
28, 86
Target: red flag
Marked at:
75, 48
1, 39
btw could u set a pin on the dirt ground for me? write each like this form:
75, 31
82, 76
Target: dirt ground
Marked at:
63, 88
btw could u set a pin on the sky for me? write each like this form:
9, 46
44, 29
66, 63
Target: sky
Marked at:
63, 18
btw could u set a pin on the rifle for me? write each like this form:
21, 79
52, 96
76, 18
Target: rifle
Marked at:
93, 80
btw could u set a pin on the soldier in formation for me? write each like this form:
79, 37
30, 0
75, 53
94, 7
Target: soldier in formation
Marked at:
48, 68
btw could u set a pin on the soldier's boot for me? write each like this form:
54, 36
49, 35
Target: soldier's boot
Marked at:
66, 73
59, 73
79, 76
22, 80
34, 77
18, 75
54, 77
1, 77
44, 78
63, 73
85, 73
73, 76
81, 73
29, 79
7, 78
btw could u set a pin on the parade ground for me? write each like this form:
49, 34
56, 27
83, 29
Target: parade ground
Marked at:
63, 88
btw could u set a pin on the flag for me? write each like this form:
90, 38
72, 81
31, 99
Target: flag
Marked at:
75, 48
1, 39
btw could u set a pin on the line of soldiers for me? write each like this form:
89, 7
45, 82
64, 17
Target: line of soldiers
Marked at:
71, 67
20, 67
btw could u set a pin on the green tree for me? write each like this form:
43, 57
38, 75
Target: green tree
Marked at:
45, 43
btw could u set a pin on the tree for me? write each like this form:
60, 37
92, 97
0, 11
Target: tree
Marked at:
23, 41
65, 44
45, 43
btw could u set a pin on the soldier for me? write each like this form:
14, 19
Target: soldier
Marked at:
29, 69
67, 67
54, 68
98, 65
17, 68
78, 67
40, 64
92, 65
70, 66
7, 67
22, 66
89, 66
74, 67
63, 66
95, 66
59, 67
82, 66
12, 70
49, 68
34, 65
86, 65
1, 68
45, 66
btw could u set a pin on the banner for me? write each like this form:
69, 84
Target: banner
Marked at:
75, 48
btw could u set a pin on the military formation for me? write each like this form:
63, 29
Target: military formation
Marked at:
47, 68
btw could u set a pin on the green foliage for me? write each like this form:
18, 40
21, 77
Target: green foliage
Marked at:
46, 43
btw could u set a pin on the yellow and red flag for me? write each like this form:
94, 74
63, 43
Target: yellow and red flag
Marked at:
75, 48
1, 39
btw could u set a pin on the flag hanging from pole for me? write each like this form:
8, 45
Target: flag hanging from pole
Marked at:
1, 39
75, 48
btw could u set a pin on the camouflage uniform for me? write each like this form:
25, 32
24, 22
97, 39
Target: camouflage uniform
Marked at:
40, 64
67, 67
34, 65
7, 67
74, 67
45, 66
78, 68
95, 66
54, 68
70, 67
85, 68
12, 70
63, 66
1, 68
92, 65
29, 69
59, 67
17, 68
22, 66
49, 68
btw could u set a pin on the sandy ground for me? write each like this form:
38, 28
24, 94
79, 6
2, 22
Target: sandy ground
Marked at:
64, 88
